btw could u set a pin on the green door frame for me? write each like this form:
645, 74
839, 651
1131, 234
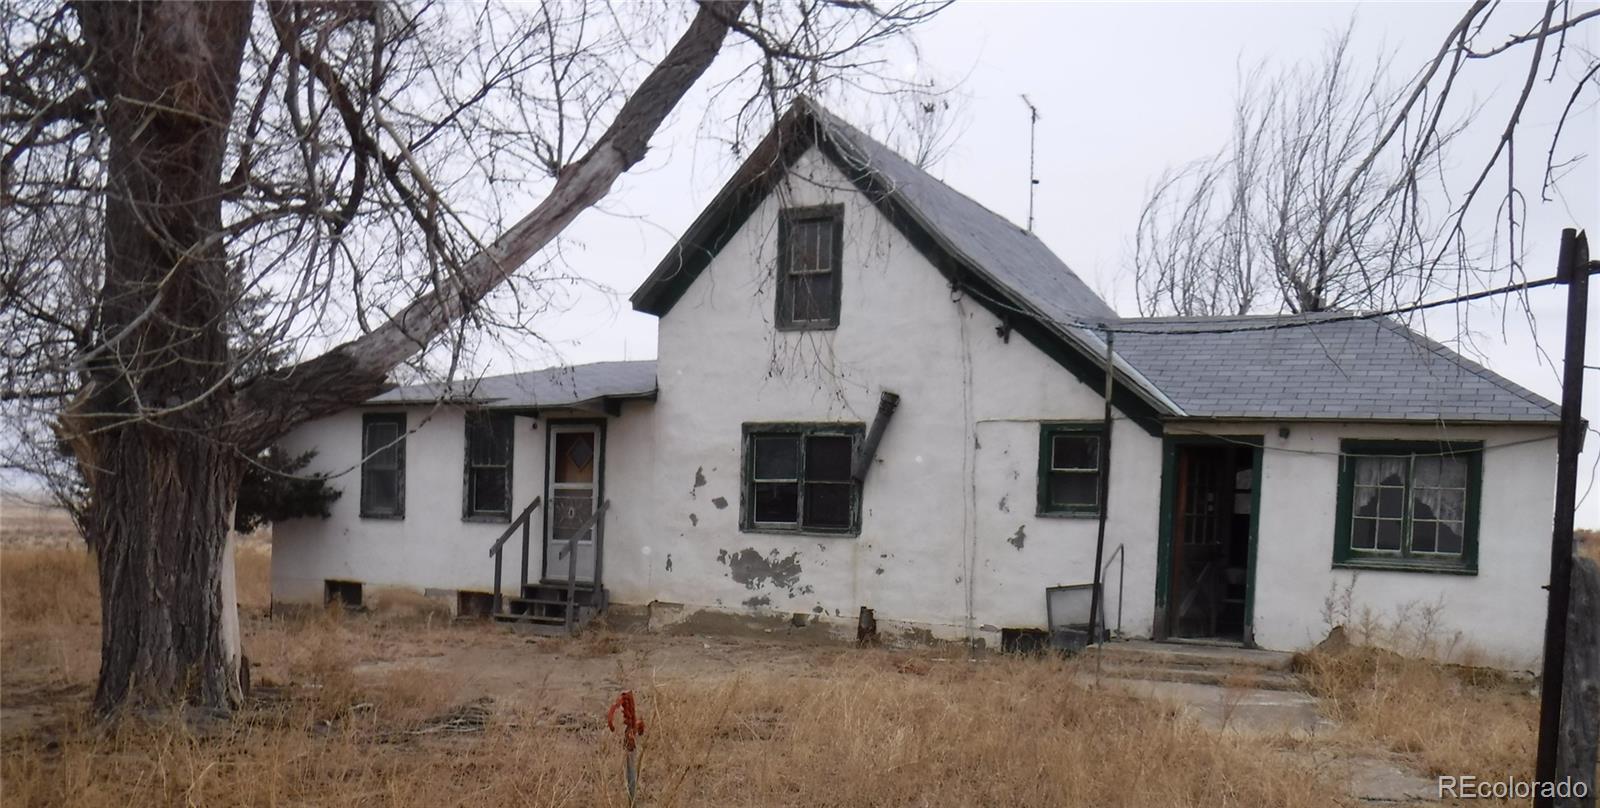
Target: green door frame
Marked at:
1170, 444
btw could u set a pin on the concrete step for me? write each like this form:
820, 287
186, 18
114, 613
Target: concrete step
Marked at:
1224, 677
1145, 653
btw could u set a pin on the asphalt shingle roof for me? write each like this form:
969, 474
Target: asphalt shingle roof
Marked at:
547, 387
1012, 256
1346, 369
1373, 369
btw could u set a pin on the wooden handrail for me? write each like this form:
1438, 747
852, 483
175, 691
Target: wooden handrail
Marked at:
512, 528
495, 551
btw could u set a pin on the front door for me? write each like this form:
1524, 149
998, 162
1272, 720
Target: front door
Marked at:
572, 469
1210, 543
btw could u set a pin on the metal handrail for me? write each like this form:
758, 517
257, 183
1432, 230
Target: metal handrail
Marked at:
497, 551
1122, 570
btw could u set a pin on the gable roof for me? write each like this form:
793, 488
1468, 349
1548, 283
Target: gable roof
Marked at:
566, 386
1320, 366
980, 238
1006, 268
1279, 366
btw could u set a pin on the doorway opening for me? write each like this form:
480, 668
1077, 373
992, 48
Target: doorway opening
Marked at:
1209, 576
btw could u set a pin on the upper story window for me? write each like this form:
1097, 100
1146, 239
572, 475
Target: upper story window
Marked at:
810, 249
797, 478
383, 465
1069, 469
1409, 505
488, 467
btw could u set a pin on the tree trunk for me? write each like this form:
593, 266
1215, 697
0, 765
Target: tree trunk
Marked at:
146, 427
160, 522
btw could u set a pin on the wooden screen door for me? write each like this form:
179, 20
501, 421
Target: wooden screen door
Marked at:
1199, 532
572, 469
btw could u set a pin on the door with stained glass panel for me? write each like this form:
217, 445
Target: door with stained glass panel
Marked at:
573, 492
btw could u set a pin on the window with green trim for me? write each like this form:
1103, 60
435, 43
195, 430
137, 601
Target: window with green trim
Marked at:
1409, 505
810, 252
486, 493
1069, 469
798, 478
383, 465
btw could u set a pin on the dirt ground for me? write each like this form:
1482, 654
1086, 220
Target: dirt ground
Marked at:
405, 706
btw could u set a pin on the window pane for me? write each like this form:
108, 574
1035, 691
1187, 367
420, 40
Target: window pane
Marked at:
811, 297
488, 439
381, 490
489, 490
1441, 472
1378, 470
1391, 502
1074, 452
568, 512
1389, 534
1450, 540
828, 457
828, 505
1074, 489
381, 448
1423, 535
574, 459
777, 458
777, 503
810, 244
1363, 534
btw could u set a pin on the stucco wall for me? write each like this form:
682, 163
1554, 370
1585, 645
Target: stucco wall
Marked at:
950, 543
432, 546
1495, 617
955, 475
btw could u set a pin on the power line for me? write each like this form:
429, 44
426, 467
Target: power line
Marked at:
1131, 326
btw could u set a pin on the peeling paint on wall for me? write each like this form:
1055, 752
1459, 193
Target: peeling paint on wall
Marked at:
1018, 538
758, 602
879, 571
722, 556
720, 503
694, 521
1005, 506
699, 481
669, 562
751, 568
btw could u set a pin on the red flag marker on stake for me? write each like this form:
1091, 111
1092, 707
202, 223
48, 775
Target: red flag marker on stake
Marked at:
632, 727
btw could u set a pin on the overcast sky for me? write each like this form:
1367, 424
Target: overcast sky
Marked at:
1125, 91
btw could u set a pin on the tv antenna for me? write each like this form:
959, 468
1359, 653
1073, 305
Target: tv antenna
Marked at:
1033, 178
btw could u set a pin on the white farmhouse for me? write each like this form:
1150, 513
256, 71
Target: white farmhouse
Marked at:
873, 392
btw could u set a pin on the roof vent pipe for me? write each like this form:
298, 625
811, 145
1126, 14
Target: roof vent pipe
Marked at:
886, 407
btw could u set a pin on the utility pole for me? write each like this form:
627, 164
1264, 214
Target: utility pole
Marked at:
1573, 270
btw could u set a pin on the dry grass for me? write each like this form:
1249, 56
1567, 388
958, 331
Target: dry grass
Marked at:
353, 710
1450, 719
1589, 544
1002, 732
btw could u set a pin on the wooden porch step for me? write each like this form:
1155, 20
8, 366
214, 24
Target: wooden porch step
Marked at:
541, 601
512, 617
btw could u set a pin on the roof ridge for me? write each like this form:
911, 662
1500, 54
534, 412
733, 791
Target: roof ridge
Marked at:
841, 122
1217, 318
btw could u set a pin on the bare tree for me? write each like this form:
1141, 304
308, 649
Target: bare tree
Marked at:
218, 221
1302, 210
